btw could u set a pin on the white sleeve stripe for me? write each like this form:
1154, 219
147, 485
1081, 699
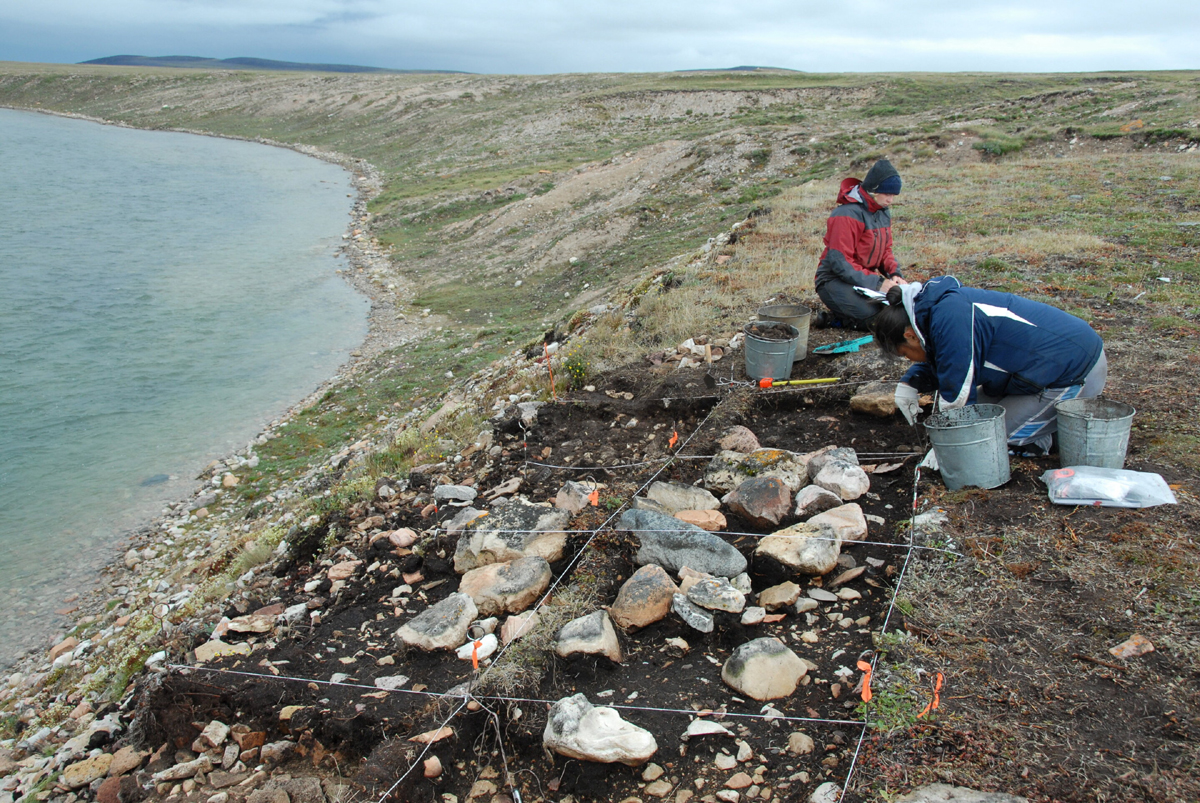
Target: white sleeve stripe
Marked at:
994, 367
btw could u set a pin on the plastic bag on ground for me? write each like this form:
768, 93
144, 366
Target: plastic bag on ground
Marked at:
1107, 487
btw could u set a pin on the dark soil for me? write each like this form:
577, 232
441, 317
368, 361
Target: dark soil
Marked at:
1018, 618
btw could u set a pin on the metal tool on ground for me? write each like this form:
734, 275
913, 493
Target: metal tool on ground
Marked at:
843, 346
711, 382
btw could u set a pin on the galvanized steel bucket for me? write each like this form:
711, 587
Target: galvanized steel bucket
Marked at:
1093, 432
971, 446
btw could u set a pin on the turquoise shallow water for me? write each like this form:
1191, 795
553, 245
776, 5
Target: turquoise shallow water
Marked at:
162, 296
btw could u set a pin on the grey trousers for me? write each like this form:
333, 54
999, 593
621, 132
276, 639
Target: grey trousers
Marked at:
1032, 420
849, 306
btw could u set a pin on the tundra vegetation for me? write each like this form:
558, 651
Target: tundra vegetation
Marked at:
506, 211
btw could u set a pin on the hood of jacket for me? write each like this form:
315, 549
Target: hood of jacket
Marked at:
851, 192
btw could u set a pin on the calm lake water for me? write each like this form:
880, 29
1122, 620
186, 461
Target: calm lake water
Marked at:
162, 297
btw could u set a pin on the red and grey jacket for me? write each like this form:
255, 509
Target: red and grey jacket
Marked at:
858, 241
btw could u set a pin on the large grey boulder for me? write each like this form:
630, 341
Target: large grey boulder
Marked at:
806, 548
674, 544
819, 458
676, 496
442, 626
516, 530
578, 729
644, 598
944, 793
506, 587
589, 635
728, 469
764, 669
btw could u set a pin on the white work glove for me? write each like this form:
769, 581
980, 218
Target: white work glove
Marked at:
908, 402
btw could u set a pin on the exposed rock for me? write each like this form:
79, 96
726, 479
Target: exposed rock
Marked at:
875, 398
578, 729
573, 497
712, 521
277, 752
763, 500
846, 522
478, 649
677, 496
517, 530
716, 594
688, 577
454, 493
214, 649
844, 479
754, 615
705, 727
944, 793
63, 647
442, 627
800, 744
642, 503
693, 614
738, 439
515, 627
391, 682
779, 596
506, 587
589, 635
813, 499
805, 547
728, 470
82, 773
673, 544
645, 597
127, 759
821, 595
215, 733
433, 767
819, 458
185, 769
461, 519
764, 669
827, 792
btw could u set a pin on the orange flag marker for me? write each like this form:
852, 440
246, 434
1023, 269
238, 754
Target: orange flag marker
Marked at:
936, 701
674, 440
866, 684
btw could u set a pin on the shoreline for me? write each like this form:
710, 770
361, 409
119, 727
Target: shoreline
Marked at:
387, 328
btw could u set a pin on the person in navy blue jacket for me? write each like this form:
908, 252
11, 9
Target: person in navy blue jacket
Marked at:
981, 346
858, 249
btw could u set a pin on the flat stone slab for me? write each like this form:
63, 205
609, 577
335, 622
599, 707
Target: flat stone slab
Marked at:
509, 587
717, 594
845, 521
763, 500
677, 496
519, 529
691, 613
442, 627
589, 635
729, 469
673, 544
805, 547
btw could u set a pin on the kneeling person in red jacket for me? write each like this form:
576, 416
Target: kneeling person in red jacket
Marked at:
858, 249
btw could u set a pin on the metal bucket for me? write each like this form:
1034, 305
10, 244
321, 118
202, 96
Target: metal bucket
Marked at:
795, 314
770, 358
1093, 432
971, 446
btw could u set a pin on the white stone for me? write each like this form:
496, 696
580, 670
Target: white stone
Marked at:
578, 729
764, 669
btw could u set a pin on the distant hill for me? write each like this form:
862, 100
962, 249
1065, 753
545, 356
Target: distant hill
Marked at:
244, 63
740, 69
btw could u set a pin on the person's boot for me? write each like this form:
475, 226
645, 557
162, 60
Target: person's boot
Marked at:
824, 319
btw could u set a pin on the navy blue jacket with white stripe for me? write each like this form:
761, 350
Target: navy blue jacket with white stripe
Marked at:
1006, 345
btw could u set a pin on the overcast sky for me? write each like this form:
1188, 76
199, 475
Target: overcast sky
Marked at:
542, 36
